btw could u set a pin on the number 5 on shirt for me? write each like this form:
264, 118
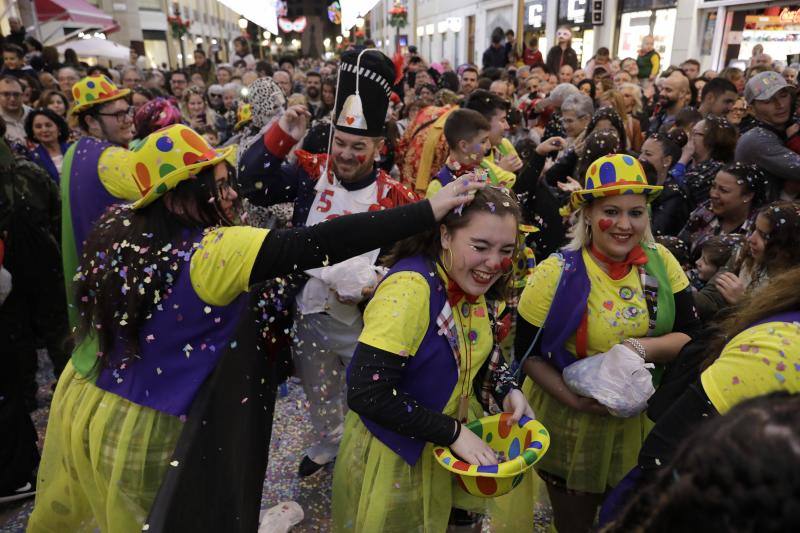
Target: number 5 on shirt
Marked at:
324, 201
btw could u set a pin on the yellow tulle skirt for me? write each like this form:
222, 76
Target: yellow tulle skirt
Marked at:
103, 461
590, 452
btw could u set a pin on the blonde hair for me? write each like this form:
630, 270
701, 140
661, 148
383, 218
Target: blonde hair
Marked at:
637, 96
581, 231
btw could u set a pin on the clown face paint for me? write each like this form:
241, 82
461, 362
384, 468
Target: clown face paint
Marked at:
628, 217
479, 249
352, 156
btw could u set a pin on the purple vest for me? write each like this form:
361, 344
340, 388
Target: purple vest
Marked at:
567, 310
431, 374
88, 198
180, 346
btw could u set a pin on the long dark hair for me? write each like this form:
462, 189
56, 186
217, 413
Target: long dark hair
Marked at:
488, 200
736, 473
131, 259
61, 124
782, 247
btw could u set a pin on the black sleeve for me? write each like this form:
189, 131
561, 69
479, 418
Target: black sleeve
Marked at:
528, 177
296, 249
691, 408
526, 332
686, 318
563, 167
381, 401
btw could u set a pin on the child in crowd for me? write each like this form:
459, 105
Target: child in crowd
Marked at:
210, 134
467, 135
715, 254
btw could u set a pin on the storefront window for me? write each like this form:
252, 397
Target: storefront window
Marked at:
776, 29
659, 23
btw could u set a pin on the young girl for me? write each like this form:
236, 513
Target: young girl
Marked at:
410, 386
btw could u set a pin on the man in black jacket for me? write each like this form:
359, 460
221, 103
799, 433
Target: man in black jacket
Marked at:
495, 56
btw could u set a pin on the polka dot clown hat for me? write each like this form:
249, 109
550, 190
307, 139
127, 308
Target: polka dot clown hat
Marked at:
518, 446
244, 115
612, 175
95, 90
170, 155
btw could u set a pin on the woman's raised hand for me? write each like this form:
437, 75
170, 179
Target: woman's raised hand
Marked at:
456, 193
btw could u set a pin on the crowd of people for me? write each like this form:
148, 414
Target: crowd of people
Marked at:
421, 244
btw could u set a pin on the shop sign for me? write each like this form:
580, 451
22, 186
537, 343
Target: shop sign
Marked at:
790, 16
536, 12
573, 11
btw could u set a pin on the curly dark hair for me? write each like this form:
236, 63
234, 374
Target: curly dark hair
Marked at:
125, 271
61, 124
736, 473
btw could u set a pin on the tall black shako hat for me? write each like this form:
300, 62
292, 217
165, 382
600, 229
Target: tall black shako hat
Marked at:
365, 77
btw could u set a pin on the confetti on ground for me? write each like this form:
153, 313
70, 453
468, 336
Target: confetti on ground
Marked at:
291, 435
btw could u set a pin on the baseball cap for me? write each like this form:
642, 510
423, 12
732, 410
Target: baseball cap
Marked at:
764, 86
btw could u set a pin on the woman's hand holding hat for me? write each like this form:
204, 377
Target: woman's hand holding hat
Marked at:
295, 121
455, 194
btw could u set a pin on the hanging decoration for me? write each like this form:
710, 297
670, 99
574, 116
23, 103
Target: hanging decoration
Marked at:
280, 8
177, 25
398, 15
335, 13
286, 25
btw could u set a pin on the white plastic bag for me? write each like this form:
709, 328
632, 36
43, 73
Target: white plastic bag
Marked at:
619, 379
349, 277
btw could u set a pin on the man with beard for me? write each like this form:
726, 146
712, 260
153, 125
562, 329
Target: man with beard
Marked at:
323, 186
313, 92
675, 95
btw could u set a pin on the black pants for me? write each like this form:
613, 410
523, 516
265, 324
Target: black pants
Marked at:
19, 454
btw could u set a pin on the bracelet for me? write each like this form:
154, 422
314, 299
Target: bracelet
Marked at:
638, 347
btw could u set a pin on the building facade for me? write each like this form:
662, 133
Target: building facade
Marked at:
718, 33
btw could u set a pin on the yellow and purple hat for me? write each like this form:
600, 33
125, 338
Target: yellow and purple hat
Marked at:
95, 90
170, 155
613, 175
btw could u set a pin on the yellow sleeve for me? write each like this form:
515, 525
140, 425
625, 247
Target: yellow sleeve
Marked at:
220, 269
433, 187
397, 317
114, 169
655, 60
677, 277
538, 293
508, 147
505, 178
760, 360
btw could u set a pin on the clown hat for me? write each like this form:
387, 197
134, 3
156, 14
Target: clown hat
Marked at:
170, 155
362, 95
244, 114
613, 175
95, 90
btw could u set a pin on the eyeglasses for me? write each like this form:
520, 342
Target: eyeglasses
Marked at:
11, 94
121, 115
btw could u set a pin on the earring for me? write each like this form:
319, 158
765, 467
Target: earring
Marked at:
448, 265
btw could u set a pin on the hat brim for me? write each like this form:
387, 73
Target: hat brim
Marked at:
121, 93
170, 181
772, 91
582, 197
242, 123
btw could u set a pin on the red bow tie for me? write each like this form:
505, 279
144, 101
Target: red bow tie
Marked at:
619, 269
459, 169
455, 293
